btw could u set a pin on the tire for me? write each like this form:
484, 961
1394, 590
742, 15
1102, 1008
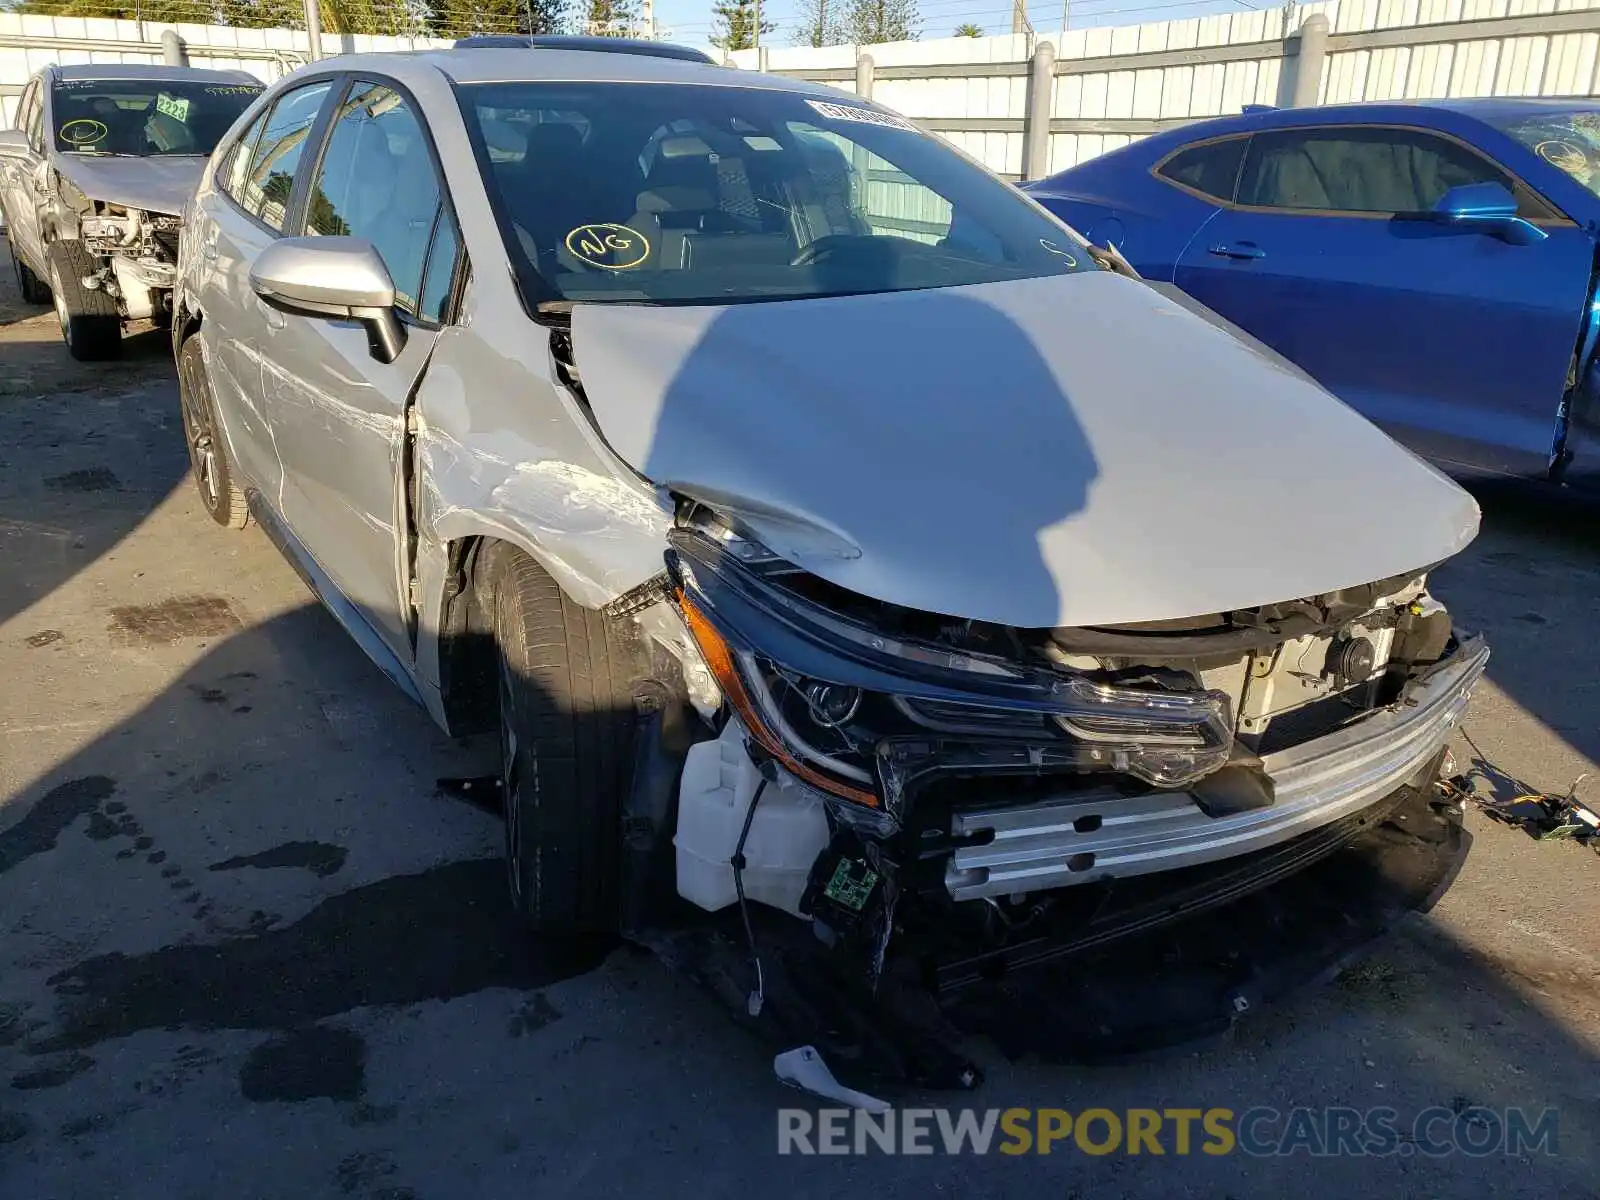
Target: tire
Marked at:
220, 496
90, 323
33, 289
566, 749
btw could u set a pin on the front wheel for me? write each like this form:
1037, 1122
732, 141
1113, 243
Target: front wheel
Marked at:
566, 742
90, 323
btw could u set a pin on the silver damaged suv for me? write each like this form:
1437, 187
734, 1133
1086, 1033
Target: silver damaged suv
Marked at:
944, 569
92, 182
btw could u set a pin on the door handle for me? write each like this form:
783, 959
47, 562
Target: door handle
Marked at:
208, 251
1240, 250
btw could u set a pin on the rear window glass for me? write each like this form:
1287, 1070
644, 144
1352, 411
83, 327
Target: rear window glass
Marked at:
269, 179
1211, 169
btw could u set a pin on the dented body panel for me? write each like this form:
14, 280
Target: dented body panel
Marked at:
502, 450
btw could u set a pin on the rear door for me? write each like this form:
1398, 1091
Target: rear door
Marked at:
338, 414
253, 189
1454, 340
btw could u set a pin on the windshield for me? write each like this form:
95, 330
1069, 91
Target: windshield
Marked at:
693, 194
144, 117
1568, 139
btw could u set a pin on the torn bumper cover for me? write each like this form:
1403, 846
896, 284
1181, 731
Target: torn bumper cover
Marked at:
1318, 782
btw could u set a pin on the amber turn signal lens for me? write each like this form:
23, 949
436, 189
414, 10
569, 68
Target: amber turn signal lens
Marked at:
719, 658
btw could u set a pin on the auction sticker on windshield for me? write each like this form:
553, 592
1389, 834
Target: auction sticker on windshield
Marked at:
173, 106
863, 116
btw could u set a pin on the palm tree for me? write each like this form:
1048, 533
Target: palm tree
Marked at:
968, 29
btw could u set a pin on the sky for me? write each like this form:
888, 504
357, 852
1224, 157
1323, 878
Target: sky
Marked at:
690, 21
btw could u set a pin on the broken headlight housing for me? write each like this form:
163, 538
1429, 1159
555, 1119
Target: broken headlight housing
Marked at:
861, 713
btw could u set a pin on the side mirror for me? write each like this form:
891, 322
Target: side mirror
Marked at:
13, 144
339, 277
1489, 207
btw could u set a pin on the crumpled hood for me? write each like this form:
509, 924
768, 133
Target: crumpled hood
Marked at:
1070, 450
159, 184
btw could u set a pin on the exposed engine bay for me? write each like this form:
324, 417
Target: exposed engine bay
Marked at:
880, 772
136, 254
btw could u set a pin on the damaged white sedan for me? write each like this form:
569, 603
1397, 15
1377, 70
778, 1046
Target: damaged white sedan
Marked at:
820, 524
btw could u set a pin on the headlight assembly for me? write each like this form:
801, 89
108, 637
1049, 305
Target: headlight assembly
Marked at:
862, 714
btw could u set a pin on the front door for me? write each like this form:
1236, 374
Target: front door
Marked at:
338, 414
18, 187
1454, 340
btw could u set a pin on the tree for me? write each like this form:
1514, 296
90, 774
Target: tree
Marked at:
968, 29
739, 24
365, 16
818, 23
459, 18
869, 21
610, 18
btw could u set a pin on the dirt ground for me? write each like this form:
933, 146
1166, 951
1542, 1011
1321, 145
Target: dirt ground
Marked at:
247, 950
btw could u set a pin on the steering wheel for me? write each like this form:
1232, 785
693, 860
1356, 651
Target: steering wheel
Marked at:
828, 245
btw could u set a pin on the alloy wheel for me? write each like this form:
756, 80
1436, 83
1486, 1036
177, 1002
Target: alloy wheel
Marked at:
202, 446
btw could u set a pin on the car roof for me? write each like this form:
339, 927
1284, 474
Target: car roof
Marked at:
1260, 118
148, 71
508, 65
1480, 108
1491, 107
563, 41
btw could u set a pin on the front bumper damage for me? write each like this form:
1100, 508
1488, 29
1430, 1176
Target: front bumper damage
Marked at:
1005, 812
1316, 783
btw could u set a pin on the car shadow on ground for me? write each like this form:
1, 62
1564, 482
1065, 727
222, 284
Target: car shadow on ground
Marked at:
1530, 581
118, 423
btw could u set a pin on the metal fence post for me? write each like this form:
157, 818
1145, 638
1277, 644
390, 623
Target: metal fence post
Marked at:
1041, 103
173, 52
314, 29
864, 76
1309, 62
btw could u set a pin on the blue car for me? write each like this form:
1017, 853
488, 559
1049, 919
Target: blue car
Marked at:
1432, 263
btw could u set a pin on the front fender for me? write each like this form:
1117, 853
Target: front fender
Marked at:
502, 450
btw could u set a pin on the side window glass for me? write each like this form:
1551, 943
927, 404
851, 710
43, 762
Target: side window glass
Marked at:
376, 181
1404, 171
231, 173
441, 268
1210, 169
31, 117
269, 179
